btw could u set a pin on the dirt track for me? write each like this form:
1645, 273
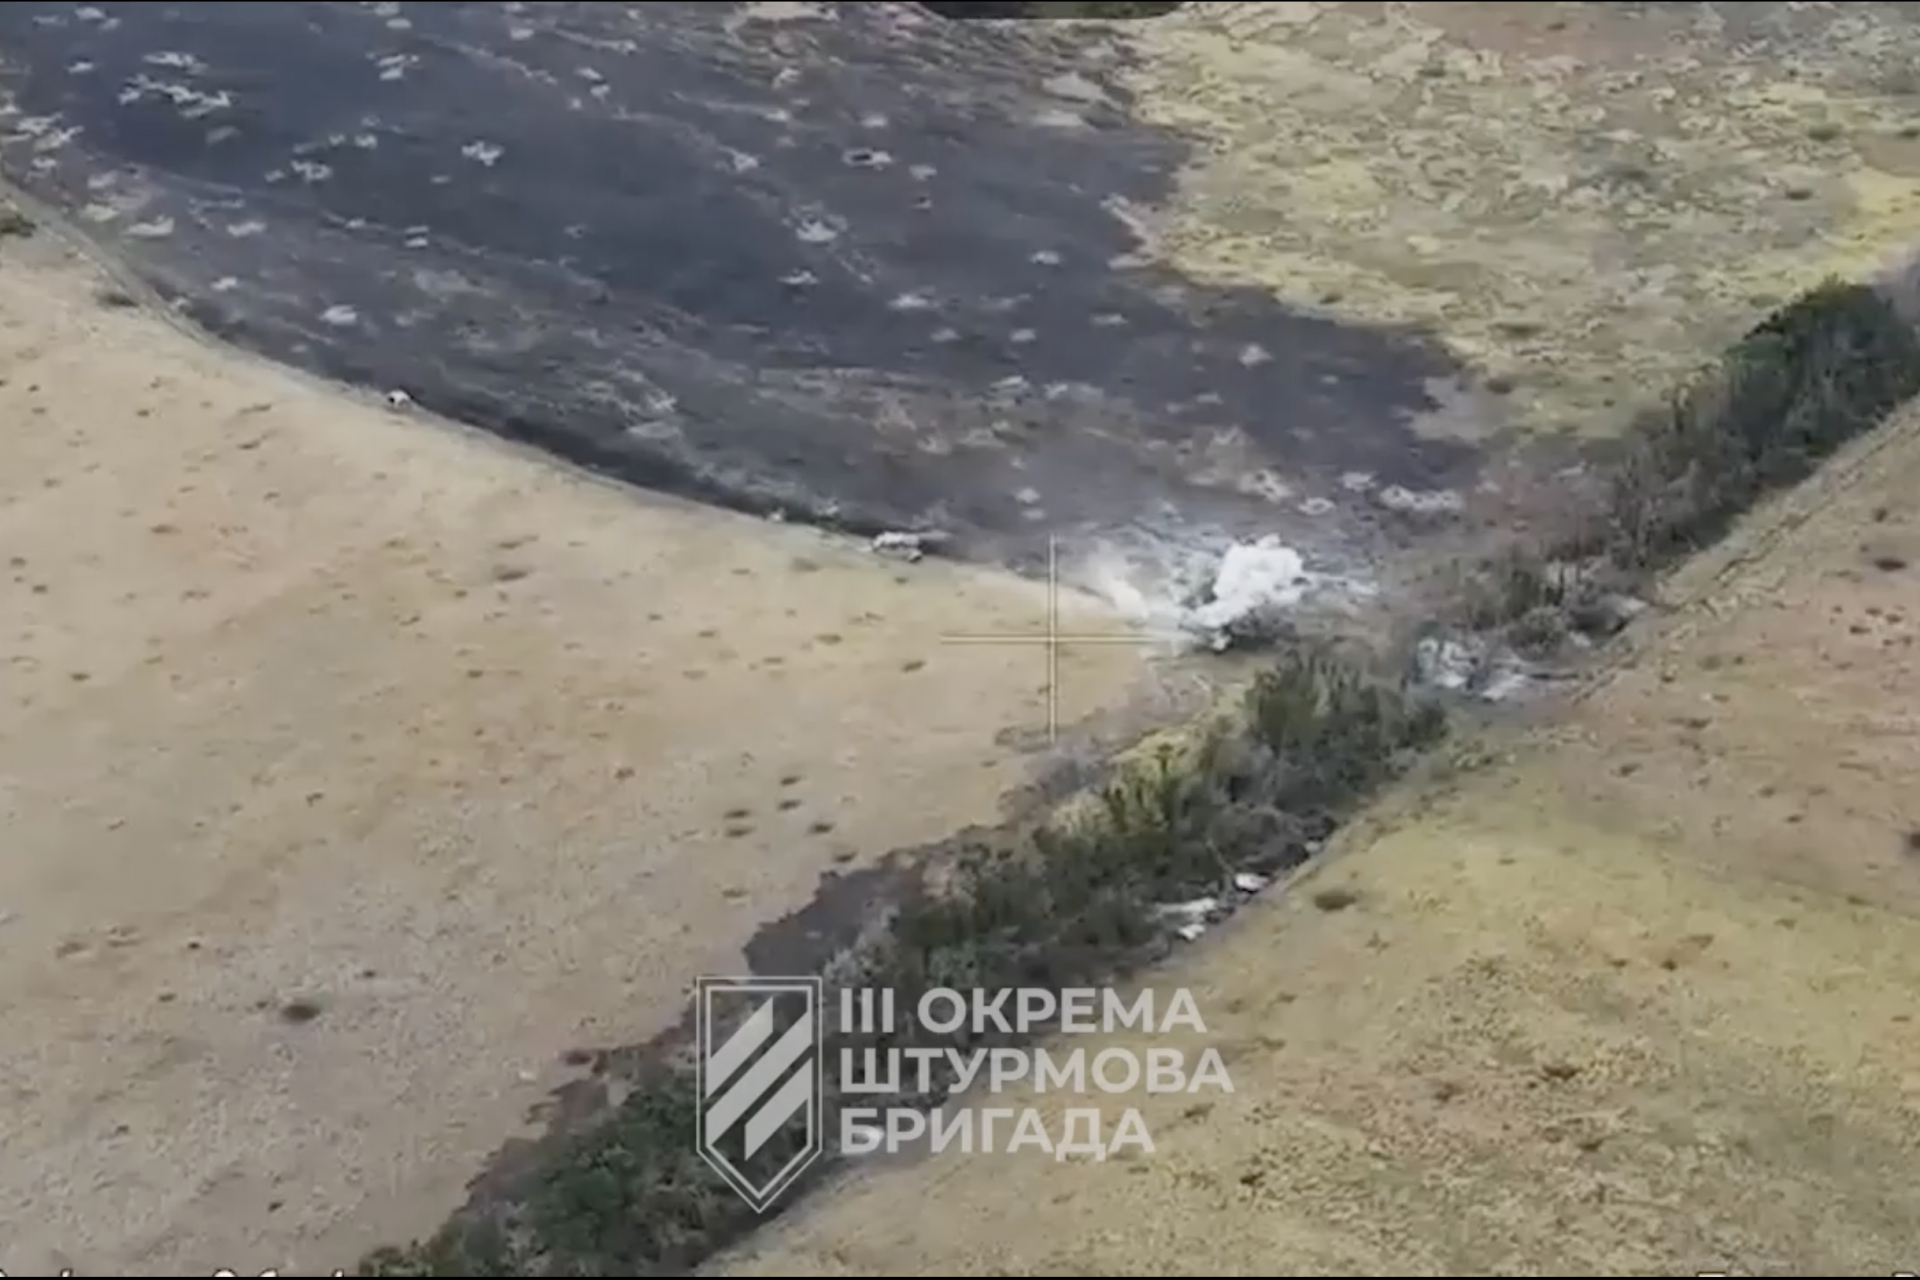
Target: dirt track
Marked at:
308, 702
1631, 996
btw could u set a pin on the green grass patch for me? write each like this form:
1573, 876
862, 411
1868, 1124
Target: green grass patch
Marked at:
1073, 903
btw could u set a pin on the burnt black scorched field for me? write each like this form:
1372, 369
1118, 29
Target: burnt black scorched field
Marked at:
855, 264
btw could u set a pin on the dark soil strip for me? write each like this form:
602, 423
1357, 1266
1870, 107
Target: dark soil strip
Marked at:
859, 267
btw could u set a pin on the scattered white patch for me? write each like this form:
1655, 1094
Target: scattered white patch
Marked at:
588, 74
1020, 337
1357, 481
79, 67
311, 170
1264, 484
416, 242
1011, 384
87, 13
1316, 506
1254, 354
175, 61
366, 141
1060, 118
816, 231
485, 153
1076, 88
1045, 257
241, 230
1193, 917
1250, 881
1430, 503
874, 120
55, 139
340, 316
741, 162
519, 33
156, 229
945, 335
866, 158
1473, 667
226, 284
191, 103
921, 172
773, 11
30, 127
394, 66
799, 279
913, 301
910, 547
221, 133
1108, 320
1027, 497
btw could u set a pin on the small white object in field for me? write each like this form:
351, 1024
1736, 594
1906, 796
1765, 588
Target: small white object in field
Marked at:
1249, 881
1189, 932
905, 546
1434, 502
398, 399
1197, 909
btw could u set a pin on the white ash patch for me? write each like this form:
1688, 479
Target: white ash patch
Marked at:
1432, 502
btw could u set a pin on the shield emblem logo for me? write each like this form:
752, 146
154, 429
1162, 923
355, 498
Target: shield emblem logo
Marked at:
760, 1082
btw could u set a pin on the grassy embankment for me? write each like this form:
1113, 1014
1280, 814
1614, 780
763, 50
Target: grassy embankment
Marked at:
1075, 903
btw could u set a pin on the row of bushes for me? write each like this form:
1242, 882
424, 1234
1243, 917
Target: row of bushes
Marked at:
1075, 904
1814, 375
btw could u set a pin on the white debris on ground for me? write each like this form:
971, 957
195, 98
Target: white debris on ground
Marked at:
1193, 918
1474, 667
909, 547
1437, 502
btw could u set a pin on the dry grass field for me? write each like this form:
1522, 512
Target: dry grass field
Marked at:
356, 769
